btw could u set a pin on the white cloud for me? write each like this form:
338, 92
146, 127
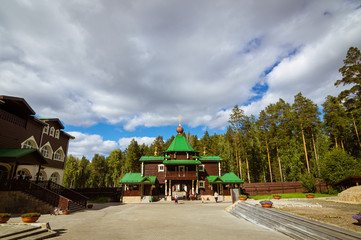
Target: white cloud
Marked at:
143, 63
124, 142
88, 145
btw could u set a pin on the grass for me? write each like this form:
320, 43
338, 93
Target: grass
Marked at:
291, 195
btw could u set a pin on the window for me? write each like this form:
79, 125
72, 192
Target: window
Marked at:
52, 130
28, 144
161, 168
57, 134
42, 176
46, 129
54, 177
57, 156
201, 168
45, 152
202, 184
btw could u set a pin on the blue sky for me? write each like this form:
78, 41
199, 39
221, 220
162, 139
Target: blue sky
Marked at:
116, 70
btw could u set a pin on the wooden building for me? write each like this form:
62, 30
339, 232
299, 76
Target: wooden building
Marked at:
180, 171
30, 145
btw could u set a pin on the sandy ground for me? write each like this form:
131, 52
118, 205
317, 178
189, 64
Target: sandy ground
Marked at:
187, 220
327, 210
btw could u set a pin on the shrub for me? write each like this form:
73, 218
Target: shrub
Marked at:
5, 215
31, 215
337, 165
308, 182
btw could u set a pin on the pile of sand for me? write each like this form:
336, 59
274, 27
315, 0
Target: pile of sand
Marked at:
352, 194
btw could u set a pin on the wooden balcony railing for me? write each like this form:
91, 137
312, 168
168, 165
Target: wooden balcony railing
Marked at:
180, 174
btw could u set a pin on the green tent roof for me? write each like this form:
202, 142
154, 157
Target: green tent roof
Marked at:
181, 162
210, 158
226, 178
151, 158
180, 144
137, 178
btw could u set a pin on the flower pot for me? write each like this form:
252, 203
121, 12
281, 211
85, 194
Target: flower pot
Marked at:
4, 219
29, 219
90, 205
243, 198
66, 212
310, 196
277, 197
267, 205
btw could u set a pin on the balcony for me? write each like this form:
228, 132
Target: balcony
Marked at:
181, 175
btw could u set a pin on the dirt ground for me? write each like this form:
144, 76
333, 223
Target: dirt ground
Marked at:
325, 210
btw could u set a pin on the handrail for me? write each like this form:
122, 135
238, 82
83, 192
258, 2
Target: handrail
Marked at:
41, 193
66, 192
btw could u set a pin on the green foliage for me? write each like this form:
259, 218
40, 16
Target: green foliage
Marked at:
5, 215
31, 215
308, 182
337, 165
291, 195
99, 200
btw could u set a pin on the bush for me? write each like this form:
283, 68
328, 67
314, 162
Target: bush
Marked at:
5, 215
337, 165
31, 215
308, 182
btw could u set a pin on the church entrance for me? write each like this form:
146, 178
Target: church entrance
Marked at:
181, 189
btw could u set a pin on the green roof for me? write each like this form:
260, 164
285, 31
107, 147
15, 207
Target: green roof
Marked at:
180, 144
137, 178
22, 155
226, 178
181, 162
16, 152
210, 158
151, 158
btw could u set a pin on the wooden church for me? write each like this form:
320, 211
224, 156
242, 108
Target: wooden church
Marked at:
180, 171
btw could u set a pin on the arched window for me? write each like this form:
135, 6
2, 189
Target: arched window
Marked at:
42, 176
57, 134
54, 177
23, 173
46, 129
4, 172
29, 143
52, 130
47, 151
59, 155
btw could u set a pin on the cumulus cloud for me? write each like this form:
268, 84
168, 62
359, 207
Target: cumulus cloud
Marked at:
142, 63
124, 142
87, 145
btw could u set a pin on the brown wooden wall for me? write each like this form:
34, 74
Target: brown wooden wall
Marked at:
277, 187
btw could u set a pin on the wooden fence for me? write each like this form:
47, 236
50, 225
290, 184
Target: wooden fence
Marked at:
277, 187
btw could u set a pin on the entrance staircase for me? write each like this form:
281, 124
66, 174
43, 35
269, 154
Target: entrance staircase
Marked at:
294, 226
51, 193
26, 231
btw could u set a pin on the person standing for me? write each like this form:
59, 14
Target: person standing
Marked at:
215, 196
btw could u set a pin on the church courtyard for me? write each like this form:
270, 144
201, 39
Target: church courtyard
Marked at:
161, 220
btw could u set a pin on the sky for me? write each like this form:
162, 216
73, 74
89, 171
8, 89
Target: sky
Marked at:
116, 70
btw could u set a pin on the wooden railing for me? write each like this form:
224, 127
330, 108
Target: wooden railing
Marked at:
40, 193
66, 192
185, 174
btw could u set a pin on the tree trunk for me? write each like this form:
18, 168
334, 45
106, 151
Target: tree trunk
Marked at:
269, 161
316, 157
305, 148
279, 162
248, 175
343, 147
336, 142
354, 124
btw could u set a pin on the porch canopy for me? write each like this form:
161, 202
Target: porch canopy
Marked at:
137, 178
226, 178
22, 156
